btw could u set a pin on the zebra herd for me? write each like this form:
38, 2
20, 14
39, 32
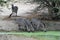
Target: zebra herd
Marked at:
31, 25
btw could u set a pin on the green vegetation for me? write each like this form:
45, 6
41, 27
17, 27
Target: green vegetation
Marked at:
49, 35
2, 2
52, 5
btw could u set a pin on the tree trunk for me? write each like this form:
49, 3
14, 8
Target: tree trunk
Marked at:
50, 12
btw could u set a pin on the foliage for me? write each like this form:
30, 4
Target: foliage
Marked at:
2, 2
52, 5
49, 35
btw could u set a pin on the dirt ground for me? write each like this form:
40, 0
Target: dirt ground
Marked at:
14, 37
6, 24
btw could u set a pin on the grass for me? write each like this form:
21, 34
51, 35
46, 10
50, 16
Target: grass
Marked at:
54, 33
49, 35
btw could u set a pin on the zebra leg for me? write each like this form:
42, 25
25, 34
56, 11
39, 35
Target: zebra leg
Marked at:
10, 15
44, 27
16, 14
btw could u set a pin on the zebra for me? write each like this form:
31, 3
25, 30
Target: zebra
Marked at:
14, 10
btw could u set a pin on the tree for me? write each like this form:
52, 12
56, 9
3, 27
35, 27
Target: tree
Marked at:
52, 5
2, 2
